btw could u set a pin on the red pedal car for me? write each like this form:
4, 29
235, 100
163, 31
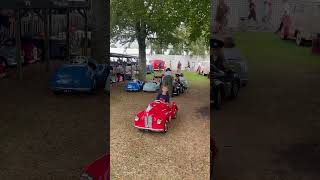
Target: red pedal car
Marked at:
97, 170
156, 117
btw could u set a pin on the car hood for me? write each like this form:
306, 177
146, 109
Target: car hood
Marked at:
99, 168
155, 109
151, 84
70, 73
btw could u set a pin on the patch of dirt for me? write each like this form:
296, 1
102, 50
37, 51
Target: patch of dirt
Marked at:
182, 153
46, 136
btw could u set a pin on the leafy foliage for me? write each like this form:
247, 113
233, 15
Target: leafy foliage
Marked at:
141, 19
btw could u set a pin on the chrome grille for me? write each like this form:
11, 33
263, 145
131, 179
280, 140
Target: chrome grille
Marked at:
148, 121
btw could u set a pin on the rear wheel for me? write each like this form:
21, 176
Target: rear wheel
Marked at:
175, 114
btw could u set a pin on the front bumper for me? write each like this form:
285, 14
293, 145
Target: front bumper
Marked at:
150, 129
150, 90
63, 89
133, 90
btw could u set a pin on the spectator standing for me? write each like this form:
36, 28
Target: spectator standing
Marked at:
179, 67
286, 14
221, 17
267, 12
168, 80
252, 11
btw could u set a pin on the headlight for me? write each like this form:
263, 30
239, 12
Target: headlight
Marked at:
159, 121
85, 176
136, 118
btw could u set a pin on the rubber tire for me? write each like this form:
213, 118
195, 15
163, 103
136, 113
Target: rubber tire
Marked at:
94, 87
175, 114
5, 62
165, 130
282, 36
218, 100
182, 90
57, 92
299, 40
235, 89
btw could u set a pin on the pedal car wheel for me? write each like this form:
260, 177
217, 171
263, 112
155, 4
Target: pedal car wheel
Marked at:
165, 127
3, 62
94, 87
57, 92
175, 114
218, 100
234, 90
299, 40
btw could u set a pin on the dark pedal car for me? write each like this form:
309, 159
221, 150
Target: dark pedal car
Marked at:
177, 89
183, 83
236, 62
224, 86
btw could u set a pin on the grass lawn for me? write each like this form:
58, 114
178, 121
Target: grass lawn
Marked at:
267, 49
192, 77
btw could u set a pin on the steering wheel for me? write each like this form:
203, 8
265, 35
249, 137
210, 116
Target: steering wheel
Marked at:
158, 101
79, 60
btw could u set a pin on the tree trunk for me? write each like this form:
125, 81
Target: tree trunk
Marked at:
142, 59
141, 37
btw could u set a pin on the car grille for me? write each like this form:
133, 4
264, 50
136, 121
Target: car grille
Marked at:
148, 121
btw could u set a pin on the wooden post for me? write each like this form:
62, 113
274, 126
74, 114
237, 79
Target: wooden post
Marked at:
68, 35
18, 43
86, 33
132, 74
46, 40
50, 32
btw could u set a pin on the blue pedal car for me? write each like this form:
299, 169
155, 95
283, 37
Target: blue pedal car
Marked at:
134, 85
81, 74
151, 86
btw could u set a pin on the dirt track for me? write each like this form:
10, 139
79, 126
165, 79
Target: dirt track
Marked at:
44, 136
271, 132
182, 153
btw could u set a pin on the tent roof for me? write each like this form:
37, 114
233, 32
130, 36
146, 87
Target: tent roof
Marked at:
14, 4
122, 55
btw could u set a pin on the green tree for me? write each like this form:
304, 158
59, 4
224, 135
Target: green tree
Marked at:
138, 19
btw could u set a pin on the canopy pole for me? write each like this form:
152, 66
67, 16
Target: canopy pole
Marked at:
86, 32
18, 43
50, 33
46, 40
68, 34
